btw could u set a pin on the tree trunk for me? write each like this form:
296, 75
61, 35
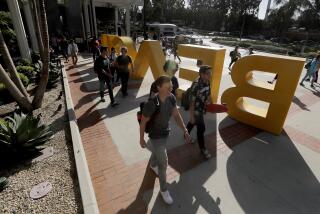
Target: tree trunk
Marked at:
37, 101
12, 69
242, 26
22, 101
37, 27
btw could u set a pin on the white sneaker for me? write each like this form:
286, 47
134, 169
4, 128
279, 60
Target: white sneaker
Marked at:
193, 141
155, 169
167, 197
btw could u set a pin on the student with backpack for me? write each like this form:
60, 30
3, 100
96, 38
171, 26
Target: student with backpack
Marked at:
200, 96
73, 51
312, 67
156, 114
102, 68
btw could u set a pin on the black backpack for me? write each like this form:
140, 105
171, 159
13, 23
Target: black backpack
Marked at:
186, 97
231, 54
153, 116
308, 65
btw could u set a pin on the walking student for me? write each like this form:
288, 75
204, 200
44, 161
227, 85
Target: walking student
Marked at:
234, 55
158, 111
314, 67
73, 51
175, 49
170, 68
101, 67
200, 98
95, 48
122, 63
112, 59
64, 48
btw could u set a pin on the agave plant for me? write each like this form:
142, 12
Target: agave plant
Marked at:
4, 182
23, 133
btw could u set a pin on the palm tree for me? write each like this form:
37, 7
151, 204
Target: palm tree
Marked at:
15, 86
38, 97
22, 100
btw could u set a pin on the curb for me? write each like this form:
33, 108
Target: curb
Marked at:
88, 197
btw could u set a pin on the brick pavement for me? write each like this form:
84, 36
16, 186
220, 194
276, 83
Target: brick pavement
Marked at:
119, 187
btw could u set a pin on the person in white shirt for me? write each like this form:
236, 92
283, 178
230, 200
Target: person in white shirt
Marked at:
73, 51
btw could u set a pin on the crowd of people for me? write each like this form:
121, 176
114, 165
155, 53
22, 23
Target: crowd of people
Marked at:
67, 48
107, 66
161, 104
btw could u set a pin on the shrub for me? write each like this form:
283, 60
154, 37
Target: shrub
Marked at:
53, 79
257, 46
24, 79
6, 26
28, 71
2, 87
271, 49
24, 62
2, 121
23, 134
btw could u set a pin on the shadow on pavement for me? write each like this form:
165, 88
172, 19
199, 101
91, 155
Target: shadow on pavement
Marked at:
139, 205
298, 102
267, 174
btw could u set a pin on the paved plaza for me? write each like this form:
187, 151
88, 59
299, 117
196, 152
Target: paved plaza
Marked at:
251, 171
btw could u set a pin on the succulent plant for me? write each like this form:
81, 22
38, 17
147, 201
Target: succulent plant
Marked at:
23, 133
4, 182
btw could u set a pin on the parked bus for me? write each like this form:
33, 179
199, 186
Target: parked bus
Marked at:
162, 29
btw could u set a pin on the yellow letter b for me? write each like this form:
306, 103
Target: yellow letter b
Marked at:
279, 97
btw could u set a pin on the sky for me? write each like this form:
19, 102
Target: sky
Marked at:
263, 8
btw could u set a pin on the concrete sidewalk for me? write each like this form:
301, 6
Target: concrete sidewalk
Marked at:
252, 171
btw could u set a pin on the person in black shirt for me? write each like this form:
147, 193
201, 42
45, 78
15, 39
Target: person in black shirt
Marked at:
122, 63
102, 68
64, 48
234, 55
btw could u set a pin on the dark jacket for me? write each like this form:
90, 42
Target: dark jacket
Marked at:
102, 67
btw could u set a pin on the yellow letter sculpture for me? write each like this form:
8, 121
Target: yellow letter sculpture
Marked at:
279, 98
150, 54
213, 57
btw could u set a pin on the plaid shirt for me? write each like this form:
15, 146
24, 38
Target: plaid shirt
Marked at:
200, 93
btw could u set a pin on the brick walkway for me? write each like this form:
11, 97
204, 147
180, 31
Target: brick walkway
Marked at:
119, 187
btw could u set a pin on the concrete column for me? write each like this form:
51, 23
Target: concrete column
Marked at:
19, 28
30, 24
86, 19
94, 19
128, 21
116, 19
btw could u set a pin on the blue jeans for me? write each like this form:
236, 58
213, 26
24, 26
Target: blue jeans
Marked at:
102, 83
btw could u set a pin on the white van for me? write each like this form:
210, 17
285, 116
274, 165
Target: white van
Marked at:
163, 29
